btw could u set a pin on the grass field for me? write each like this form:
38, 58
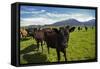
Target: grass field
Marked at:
81, 47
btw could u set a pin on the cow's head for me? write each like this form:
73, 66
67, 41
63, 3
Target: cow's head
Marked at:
66, 30
65, 34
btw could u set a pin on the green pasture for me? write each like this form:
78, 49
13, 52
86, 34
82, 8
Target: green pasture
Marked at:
81, 46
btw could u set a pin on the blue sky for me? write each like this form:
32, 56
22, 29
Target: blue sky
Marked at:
37, 15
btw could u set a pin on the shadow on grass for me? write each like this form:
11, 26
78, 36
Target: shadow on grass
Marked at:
25, 39
30, 48
35, 58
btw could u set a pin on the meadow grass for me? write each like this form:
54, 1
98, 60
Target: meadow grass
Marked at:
81, 46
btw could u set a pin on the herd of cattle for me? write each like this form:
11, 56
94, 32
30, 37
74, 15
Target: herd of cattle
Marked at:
53, 38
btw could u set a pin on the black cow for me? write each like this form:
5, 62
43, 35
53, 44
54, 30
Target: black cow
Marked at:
58, 39
86, 28
79, 28
92, 27
30, 31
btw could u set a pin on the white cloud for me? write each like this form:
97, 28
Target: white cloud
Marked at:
81, 17
30, 9
33, 12
77, 16
43, 10
36, 21
57, 15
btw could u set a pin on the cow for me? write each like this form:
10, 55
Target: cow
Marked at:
39, 37
30, 31
92, 27
23, 33
58, 39
86, 28
78, 28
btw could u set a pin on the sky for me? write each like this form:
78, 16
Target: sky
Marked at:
37, 15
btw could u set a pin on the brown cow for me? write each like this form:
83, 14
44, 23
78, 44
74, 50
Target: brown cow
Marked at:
39, 37
23, 33
58, 39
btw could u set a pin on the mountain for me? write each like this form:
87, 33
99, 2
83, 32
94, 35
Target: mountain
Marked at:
67, 22
74, 22
90, 22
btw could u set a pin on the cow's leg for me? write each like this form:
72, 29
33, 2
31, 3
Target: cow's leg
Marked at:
41, 45
38, 45
58, 55
48, 50
64, 51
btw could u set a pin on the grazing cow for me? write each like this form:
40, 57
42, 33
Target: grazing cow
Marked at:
23, 33
92, 27
79, 28
86, 28
58, 39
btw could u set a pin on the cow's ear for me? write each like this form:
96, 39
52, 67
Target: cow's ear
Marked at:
72, 29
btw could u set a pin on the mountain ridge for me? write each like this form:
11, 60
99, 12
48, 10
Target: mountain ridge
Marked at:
74, 22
